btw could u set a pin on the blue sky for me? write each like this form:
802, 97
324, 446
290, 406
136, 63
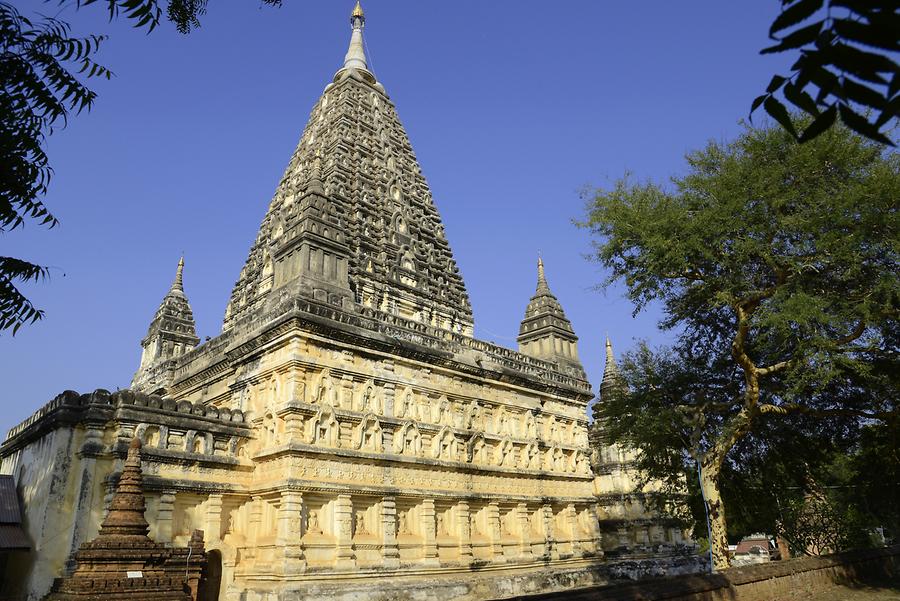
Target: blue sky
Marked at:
512, 107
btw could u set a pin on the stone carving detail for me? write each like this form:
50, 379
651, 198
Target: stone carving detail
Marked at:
530, 425
360, 526
444, 445
312, 523
403, 526
370, 399
443, 412
474, 416
554, 459
501, 421
404, 403
270, 429
477, 449
551, 429
324, 428
505, 453
530, 457
369, 436
408, 440
325, 390
272, 389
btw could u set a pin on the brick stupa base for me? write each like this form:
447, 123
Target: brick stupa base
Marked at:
123, 562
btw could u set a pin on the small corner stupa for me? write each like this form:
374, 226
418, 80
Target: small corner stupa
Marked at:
546, 332
123, 561
171, 334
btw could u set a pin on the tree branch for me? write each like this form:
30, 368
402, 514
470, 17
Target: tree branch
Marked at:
856, 333
789, 408
765, 371
740, 338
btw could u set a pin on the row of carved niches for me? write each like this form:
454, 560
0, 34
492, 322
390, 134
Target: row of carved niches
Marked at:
322, 528
128, 399
407, 438
181, 426
366, 395
196, 442
642, 535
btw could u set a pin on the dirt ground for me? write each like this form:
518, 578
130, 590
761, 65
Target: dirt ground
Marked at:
883, 592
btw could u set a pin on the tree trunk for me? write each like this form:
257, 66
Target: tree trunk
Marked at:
715, 509
784, 551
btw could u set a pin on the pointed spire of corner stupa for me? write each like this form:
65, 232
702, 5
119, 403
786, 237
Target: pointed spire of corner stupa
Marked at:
546, 332
610, 358
542, 279
356, 55
178, 283
172, 331
611, 377
126, 509
358, 12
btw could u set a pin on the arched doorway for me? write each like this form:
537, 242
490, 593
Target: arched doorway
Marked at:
211, 577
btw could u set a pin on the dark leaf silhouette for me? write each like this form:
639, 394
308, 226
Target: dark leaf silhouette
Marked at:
860, 125
847, 62
777, 111
794, 14
822, 122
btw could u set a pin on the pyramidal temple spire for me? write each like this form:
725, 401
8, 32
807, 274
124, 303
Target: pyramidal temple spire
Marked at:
125, 520
610, 358
352, 223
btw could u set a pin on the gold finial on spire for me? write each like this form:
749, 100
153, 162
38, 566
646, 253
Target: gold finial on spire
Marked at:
356, 55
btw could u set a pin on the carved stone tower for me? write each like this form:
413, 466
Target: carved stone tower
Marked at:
171, 333
602, 456
545, 332
612, 380
353, 220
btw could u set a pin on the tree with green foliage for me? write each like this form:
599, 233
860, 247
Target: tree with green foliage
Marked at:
43, 73
846, 67
825, 484
777, 266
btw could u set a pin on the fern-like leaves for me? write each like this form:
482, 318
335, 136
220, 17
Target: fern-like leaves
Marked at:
846, 67
42, 68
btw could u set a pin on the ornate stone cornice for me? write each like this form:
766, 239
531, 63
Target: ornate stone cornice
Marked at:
383, 334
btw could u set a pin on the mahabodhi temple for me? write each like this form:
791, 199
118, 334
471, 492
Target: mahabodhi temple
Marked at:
345, 433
